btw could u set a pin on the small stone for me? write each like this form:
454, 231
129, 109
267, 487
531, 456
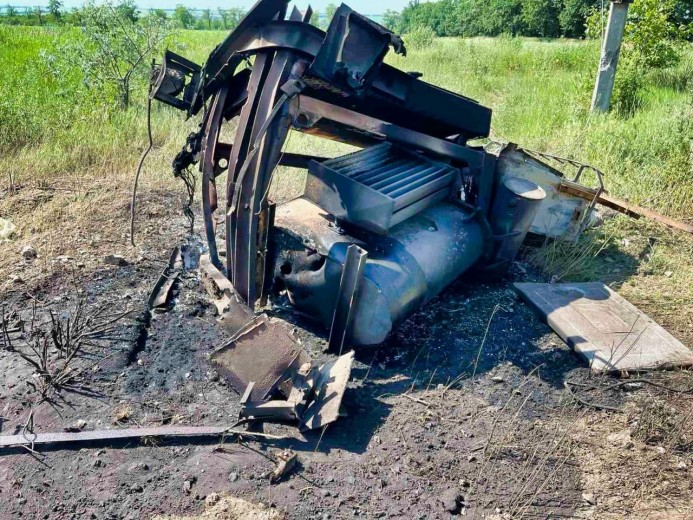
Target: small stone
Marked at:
497, 379
621, 439
140, 362
451, 498
233, 476
212, 499
681, 465
588, 498
668, 274
98, 463
15, 278
28, 253
118, 260
187, 486
471, 458
136, 488
632, 386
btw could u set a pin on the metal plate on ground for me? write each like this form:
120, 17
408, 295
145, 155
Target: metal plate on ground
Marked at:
263, 352
609, 332
330, 385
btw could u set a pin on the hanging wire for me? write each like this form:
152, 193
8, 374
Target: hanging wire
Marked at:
139, 169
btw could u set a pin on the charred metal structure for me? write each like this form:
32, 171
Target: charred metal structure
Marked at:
378, 232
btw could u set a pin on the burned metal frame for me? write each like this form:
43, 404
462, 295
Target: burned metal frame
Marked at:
329, 83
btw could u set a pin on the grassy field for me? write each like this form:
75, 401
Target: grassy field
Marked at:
59, 136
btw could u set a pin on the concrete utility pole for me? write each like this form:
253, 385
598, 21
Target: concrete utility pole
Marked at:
611, 47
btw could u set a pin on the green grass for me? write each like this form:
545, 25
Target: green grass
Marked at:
57, 131
539, 92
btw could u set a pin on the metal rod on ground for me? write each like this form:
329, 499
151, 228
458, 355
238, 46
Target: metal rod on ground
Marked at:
9, 441
611, 48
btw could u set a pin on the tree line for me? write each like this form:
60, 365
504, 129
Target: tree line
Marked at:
55, 14
182, 17
537, 18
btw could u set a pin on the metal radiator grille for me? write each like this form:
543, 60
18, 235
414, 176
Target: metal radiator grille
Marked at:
379, 187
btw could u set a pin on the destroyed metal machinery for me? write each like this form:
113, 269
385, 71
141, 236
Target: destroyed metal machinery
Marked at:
377, 233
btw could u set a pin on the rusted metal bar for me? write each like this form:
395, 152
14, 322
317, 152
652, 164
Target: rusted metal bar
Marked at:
621, 206
42, 439
315, 108
253, 180
239, 152
209, 165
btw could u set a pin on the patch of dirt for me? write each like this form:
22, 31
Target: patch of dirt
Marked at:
228, 508
461, 412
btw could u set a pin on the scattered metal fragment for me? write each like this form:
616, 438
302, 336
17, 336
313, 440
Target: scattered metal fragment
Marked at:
328, 392
262, 352
39, 439
269, 411
234, 315
162, 289
610, 333
286, 460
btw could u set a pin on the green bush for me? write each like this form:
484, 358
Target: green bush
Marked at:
420, 38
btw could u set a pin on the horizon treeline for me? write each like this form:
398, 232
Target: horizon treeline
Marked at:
181, 16
535, 18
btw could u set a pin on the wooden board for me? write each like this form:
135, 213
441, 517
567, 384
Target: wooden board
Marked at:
609, 332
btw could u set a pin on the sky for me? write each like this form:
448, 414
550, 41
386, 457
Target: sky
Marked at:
362, 6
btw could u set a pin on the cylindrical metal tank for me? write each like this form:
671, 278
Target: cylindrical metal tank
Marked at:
404, 270
515, 204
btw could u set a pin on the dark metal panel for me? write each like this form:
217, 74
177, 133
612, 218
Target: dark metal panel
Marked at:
261, 353
348, 200
250, 195
240, 151
352, 274
409, 211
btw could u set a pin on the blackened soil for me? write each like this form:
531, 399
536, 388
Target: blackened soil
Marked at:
461, 412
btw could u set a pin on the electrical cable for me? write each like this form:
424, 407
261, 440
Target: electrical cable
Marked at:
139, 170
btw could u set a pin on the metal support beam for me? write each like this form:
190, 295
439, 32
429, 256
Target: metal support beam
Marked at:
352, 274
611, 48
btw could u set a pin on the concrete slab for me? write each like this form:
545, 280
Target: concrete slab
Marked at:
610, 333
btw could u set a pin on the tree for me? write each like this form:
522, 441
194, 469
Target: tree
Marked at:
159, 13
184, 17
224, 15
330, 10
392, 20
128, 10
114, 50
573, 17
10, 13
540, 18
38, 12
54, 8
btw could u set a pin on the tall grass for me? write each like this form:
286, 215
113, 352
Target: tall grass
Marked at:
55, 130
539, 92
